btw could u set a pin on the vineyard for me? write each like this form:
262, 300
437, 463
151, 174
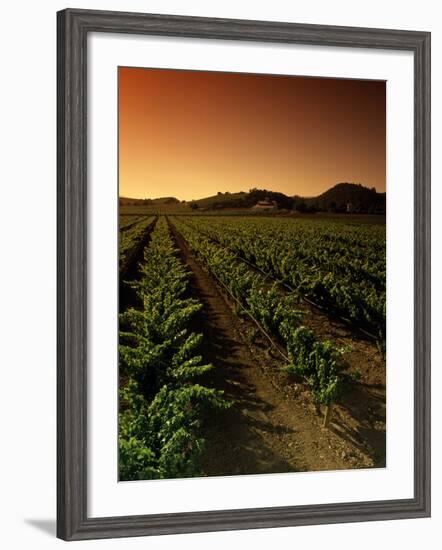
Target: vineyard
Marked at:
337, 266
250, 345
161, 403
132, 233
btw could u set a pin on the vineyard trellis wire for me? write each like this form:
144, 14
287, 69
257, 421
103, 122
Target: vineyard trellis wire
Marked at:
285, 285
316, 361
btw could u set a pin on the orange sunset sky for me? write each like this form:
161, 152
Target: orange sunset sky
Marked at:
190, 134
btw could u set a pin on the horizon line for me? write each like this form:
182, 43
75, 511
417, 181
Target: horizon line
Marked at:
245, 192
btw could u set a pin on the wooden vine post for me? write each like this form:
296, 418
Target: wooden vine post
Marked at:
328, 415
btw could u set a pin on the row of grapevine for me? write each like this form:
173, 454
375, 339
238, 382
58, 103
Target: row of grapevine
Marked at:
126, 220
339, 266
318, 362
131, 236
162, 404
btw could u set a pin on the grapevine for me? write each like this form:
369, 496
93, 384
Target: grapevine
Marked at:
162, 403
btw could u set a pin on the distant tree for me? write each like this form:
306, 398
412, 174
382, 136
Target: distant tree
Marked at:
193, 205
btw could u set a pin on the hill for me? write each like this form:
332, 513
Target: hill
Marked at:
222, 200
124, 201
343, 197
244, 200
348, 197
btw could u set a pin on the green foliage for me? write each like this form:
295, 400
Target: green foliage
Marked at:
162, 404
316, 361
132, 230
340, 266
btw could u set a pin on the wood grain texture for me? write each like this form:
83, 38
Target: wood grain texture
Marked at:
72, 29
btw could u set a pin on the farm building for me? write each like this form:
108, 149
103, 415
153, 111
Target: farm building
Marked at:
265, 205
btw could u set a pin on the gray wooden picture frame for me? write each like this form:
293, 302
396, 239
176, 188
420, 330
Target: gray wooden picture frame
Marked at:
73, 28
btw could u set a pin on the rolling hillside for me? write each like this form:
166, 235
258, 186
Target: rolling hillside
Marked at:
124, 201
352, 197
343, 197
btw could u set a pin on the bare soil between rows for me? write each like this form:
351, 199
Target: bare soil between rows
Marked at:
272, 426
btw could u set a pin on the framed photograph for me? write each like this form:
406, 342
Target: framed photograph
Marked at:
243, 274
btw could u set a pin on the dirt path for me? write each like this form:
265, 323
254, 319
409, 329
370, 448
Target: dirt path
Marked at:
271, 426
